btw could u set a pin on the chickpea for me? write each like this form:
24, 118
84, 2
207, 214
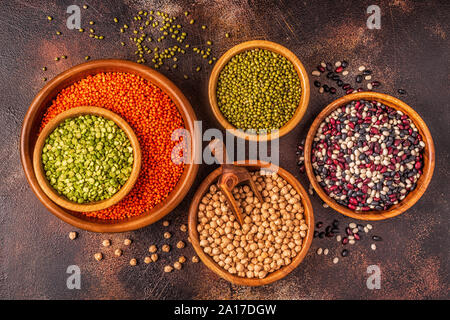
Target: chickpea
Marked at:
270, 236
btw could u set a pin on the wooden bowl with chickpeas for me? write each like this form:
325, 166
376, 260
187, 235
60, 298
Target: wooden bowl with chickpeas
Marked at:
274, 238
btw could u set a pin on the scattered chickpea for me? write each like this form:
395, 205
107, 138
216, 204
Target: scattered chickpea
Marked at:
180, 244
106, 243
167, 235
166, 248
154, 257
177, 265
152, 249
166, 223
98, 256
127, 242
72, 235
118, 252
182, 259
195, 259
183, 228
168, 269
147, 260
133, 262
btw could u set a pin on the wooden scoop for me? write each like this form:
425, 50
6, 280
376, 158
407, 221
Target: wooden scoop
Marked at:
231, 176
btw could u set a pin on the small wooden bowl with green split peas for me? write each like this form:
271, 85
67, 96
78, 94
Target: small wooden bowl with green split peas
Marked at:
60, 199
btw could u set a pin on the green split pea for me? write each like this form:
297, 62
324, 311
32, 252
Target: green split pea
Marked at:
87, 158
258, 90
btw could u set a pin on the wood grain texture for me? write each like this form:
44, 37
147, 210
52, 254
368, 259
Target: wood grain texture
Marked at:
211, 264
274, 47
63, 201
429, 156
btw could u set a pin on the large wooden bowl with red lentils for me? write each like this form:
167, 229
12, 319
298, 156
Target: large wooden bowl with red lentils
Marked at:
154, 108
369, 156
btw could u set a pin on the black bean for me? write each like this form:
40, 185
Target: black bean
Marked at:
401, 91
359, 78
316, 234
344, 64
330, 74
317, 83
340, 83
367, 72
319, 224
333, 90
335, 77
344, 253
329, 66
326, 88
377, 238
321, 235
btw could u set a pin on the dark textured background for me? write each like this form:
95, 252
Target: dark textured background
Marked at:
411, 51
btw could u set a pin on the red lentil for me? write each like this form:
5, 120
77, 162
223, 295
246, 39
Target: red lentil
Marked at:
152, 115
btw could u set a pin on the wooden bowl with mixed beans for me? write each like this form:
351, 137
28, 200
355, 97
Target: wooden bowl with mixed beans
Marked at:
152, 105
275, 242
119, 126
244, 83
384, 151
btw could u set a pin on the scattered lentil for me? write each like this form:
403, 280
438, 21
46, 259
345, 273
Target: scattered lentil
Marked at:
133, 262
106, 243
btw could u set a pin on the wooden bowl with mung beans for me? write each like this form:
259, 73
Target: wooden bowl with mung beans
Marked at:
376, 170
299, 225
47, 96
263, 100
120, 191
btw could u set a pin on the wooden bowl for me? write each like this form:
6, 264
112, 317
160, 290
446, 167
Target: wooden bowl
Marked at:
429, 156
212, 265
274, 47
63, 201
43, 100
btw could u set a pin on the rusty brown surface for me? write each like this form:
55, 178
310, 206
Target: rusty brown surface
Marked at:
411, 51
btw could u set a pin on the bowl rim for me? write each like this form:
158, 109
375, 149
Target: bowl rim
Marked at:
429, 156
274, 47
73, 113
65, 79
212, 265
